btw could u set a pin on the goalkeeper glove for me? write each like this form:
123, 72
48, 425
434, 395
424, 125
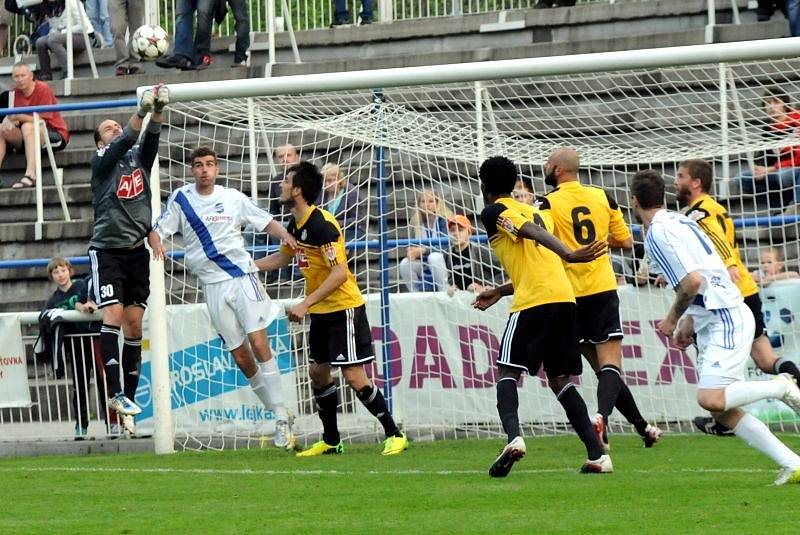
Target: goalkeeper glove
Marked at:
146, 103
162, 98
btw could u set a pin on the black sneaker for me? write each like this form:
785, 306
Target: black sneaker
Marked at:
512, 452
175, 62
709, 426
364, 22
340, 23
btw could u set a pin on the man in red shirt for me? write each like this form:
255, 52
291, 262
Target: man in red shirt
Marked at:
17, 130
782, 174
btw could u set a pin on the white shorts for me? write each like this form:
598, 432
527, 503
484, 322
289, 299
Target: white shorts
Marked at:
237, 307
724, 341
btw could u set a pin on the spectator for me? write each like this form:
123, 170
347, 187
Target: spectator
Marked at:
56, 40
341, 15
239, 8
523, 190
772, 268
74, 296
424, 267
126, 16
191, 53
541, 4
472, 265
793, 14
97, 10
767, 8
782, 172
17, 130
343, 200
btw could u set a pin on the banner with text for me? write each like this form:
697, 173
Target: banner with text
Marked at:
14, 391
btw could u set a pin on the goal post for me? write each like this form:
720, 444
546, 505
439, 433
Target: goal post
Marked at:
406, 144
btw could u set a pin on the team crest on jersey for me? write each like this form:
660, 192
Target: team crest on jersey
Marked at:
302, 261
304, 234
130, 186
508, 225
329, 251
696, 216
219, 208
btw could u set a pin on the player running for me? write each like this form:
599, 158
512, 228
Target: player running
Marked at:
210, 219
708, 304
581, 214
541, 329
339, 332
120, 283
692, 188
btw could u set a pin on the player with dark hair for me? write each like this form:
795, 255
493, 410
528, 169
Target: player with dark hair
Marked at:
580, 215
693, 184
339, 333
541, 329
709, 308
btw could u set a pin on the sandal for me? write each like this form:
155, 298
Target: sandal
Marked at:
24, 182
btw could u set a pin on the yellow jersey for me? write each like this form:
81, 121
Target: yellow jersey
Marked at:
535, 271
320, 246
583, 214
713, 218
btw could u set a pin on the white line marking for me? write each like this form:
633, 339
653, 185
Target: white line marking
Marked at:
301, 472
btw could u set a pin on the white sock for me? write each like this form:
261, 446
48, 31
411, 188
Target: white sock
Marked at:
757, 434
272, 378
259, 388
744, 392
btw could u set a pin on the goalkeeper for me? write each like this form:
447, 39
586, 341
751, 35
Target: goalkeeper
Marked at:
120, 283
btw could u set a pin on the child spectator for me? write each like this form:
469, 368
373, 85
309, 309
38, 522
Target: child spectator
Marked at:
472, 265
72, 296
424, 268
772, 268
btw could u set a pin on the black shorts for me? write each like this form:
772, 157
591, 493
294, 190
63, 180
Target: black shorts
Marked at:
120, 276
598, 317
544, 334
341, 338
753, 302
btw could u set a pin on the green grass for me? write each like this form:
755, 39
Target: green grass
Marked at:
686, 484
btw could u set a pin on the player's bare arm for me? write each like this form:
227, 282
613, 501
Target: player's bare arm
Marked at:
685, 293
490, 296
684, 335
276, 230
587, 253
614, 243
335, 278
156, 245
274, 261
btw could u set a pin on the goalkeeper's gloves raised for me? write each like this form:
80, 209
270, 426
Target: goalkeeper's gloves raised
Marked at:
146, 103
162, 98
154, 100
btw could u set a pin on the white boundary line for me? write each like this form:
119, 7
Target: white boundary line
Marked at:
348, 473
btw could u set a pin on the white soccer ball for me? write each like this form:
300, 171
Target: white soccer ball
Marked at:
149, 42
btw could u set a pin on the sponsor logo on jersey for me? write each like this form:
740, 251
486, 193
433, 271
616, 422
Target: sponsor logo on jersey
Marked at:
130, 186
696, 215
212, 218
329, 251
219, 208
304, 235
302, 261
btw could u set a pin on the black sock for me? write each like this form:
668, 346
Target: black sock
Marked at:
783, 365
109, 348
131, 363
626, 405
508, 407
373, 400
578, 416
327, 400
609, 383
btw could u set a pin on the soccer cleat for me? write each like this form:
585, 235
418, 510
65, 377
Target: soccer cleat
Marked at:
709, 426
284, 437
599, 466
80, 432
123, 405
599, 425
129, 424
788, 474
394, 445
792, 395
652, 434
511, 453
321, 448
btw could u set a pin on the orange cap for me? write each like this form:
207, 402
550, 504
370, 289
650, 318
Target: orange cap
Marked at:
461, 221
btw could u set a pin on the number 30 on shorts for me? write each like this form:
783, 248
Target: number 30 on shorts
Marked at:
107, 290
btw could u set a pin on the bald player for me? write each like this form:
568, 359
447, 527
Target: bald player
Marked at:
582, 214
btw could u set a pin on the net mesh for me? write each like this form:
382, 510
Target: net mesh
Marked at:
427, 143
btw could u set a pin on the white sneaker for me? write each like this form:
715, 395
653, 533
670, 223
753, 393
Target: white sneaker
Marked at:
129, 424
284, 436
792, 395
788, 474
123, 405
510, 454
652, 434
598, 466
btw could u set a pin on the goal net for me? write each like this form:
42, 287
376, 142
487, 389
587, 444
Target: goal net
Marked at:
407, 159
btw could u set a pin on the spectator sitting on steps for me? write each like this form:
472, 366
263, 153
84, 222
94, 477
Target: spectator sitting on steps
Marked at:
424, 267
16, 130
772, 268
55, 42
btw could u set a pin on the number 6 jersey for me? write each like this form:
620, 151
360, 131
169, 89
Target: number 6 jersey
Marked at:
583, 214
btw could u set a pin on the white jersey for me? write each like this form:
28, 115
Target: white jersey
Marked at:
211, 226
678, 246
